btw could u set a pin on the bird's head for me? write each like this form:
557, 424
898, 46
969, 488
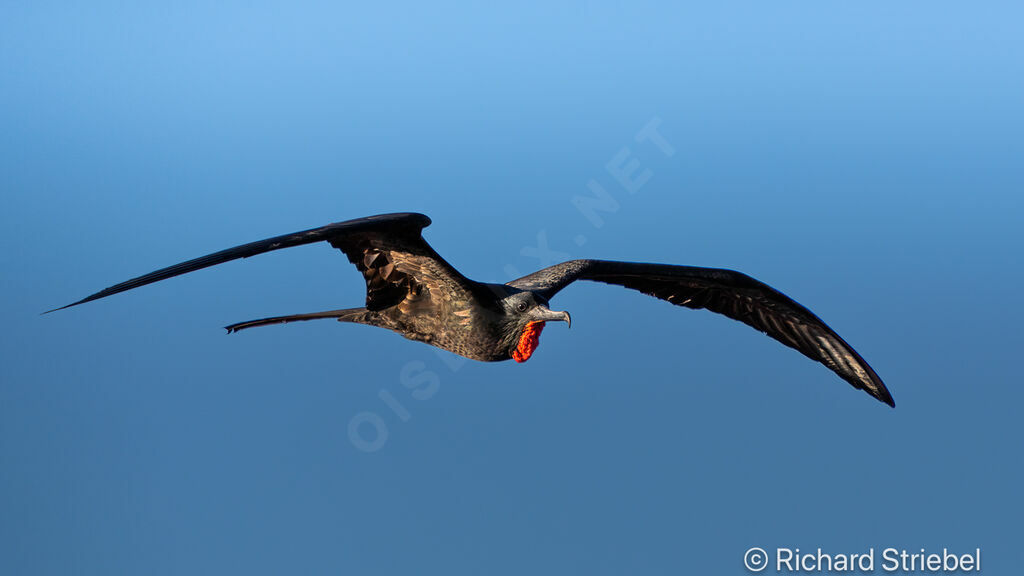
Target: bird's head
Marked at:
524, 315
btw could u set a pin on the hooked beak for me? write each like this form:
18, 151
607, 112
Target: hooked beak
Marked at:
545, 314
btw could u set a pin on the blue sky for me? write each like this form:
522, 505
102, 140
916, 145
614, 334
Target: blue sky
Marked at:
864, 159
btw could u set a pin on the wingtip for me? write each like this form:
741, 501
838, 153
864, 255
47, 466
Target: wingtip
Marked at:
56, 309
884, 397
235, 328
82, 301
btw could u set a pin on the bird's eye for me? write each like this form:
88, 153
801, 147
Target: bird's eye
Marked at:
521, 306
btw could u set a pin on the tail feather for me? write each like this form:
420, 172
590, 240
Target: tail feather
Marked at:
346, 315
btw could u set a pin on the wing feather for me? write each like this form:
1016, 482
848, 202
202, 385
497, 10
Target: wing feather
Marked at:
732, 294
389, 232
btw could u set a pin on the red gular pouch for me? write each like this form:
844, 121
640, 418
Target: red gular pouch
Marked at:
528, 342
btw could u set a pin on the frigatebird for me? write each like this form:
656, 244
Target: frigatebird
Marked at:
411, 290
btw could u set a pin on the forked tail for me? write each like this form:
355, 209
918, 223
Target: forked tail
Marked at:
346, 315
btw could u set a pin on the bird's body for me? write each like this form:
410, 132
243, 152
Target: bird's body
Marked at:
411, 290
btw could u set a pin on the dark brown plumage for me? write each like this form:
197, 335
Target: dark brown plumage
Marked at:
411, 290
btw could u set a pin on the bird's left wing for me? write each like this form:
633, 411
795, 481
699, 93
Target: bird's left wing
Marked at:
363, 240
726, 292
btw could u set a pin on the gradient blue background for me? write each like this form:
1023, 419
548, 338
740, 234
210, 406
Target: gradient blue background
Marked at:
865, 159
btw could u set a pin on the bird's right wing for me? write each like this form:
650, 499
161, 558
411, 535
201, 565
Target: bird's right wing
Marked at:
725, 292
389, 249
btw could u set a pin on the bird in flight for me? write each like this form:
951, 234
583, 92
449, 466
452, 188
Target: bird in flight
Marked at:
411, 290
